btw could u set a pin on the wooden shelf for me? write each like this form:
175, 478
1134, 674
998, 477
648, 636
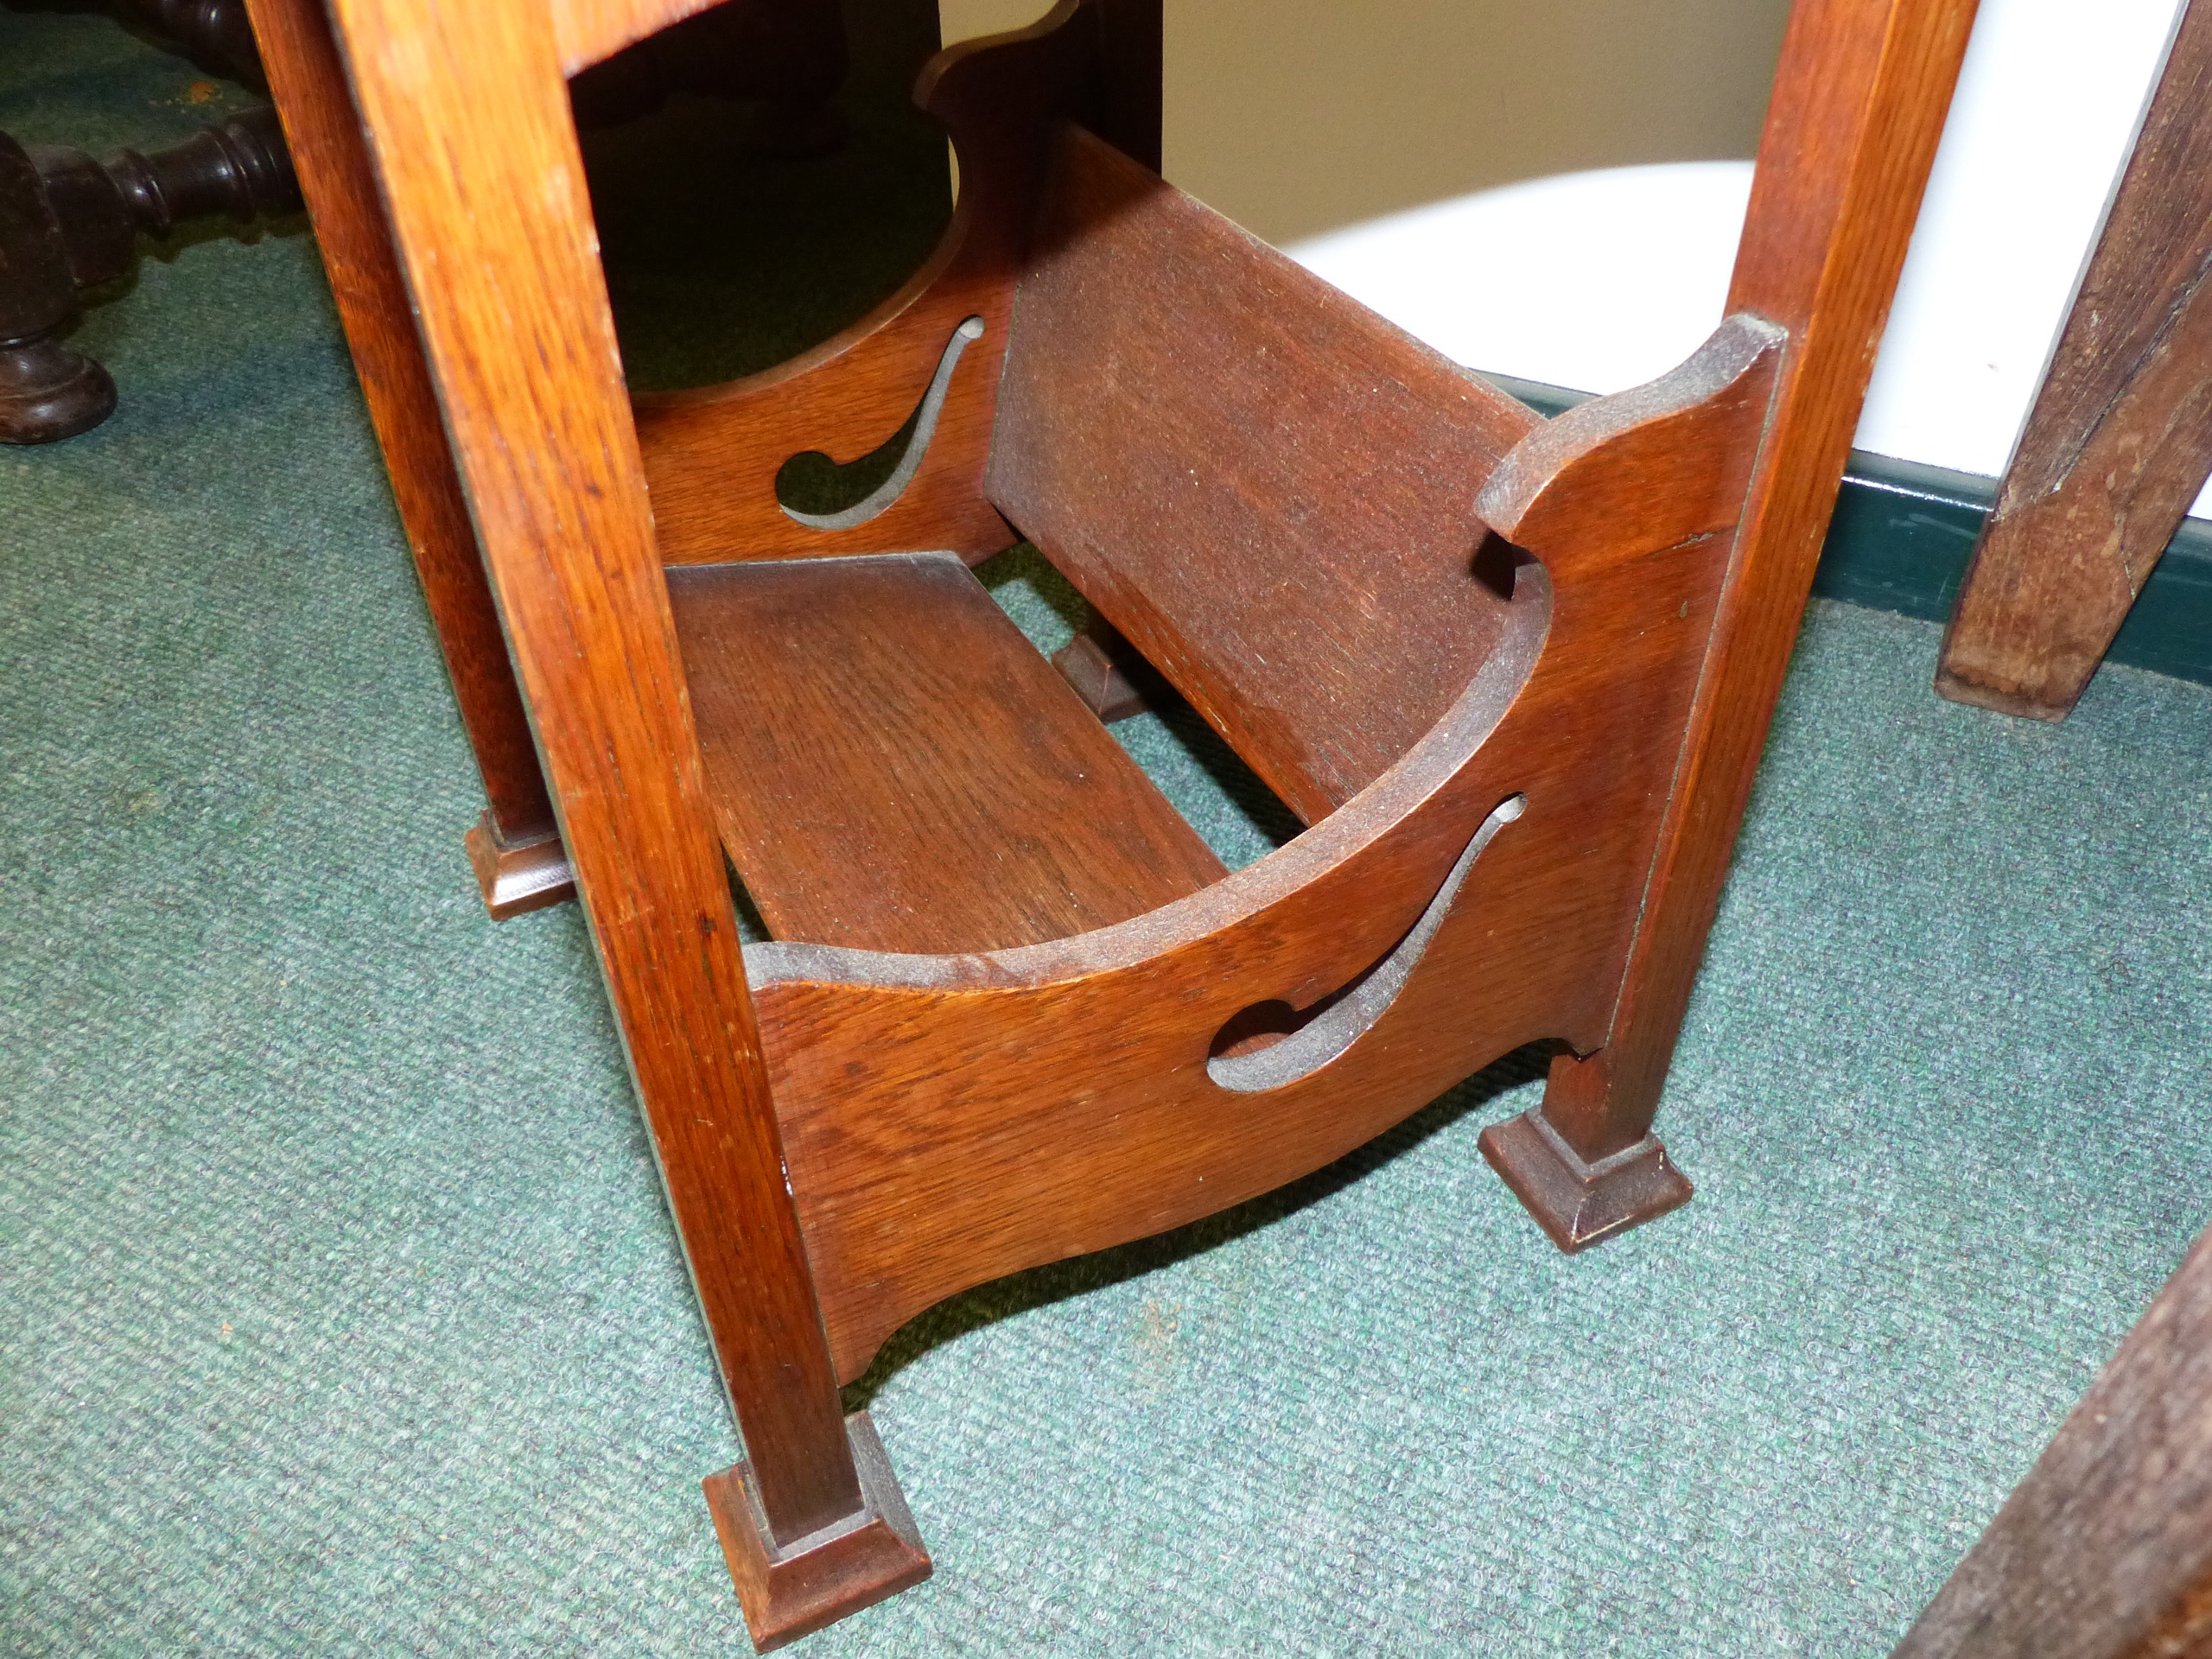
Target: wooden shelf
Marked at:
893, 767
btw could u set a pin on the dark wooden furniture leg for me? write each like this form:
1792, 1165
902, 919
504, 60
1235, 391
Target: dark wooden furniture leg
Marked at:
2105, 1550
2119, 440
516, 848
69, 223
1851, 130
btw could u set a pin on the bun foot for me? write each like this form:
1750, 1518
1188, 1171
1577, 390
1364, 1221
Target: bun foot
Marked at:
49, 392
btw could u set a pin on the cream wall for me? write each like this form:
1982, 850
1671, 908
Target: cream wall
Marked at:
1296, 116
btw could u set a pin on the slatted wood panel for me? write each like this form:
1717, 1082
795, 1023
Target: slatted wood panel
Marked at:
1260, 482
894, 767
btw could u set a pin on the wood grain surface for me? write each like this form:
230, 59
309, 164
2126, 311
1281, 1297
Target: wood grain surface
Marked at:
2105, 1550
2119, 440
894, 767
1260, 483
950, 1118
470, 132
1857, 106
712, 454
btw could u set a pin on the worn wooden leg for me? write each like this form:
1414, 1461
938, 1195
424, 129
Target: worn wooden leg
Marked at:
516, 850
69, 223
2120, 440
2105, 1550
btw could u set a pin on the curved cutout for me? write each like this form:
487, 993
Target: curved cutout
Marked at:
917, 432
1337, 1022
996, 99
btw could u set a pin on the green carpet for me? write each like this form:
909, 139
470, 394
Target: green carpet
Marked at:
340, 1312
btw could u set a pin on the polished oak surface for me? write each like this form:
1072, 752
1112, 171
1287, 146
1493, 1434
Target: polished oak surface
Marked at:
893, 766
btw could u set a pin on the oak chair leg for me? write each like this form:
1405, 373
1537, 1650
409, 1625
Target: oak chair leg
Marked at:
500, 259
2120, 440
1851, 134
516, 850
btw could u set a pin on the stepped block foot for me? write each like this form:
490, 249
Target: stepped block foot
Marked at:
1100, 680
523, 875
1110, 675
1578, 1203
793, 1590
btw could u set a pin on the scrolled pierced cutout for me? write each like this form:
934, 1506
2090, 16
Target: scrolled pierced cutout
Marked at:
1305, 1040
812, 473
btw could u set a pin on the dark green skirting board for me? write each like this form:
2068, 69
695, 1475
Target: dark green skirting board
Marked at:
1903, 531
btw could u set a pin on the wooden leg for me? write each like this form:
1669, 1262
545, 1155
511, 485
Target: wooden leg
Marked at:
516, 850
791, 1590
49, 392
2105, 1550
1851, 132
1581, 1200
467, 113
69, 223
1106, 672
2120, 440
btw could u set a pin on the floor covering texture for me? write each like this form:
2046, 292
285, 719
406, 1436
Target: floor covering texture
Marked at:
340, 1312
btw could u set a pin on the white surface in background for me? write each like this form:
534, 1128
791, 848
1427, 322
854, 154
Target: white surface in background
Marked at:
2048, 106
1600, 281
1594, 281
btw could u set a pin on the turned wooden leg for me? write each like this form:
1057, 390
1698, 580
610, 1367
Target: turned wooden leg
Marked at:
69, 223
1585, 1162
49, 392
